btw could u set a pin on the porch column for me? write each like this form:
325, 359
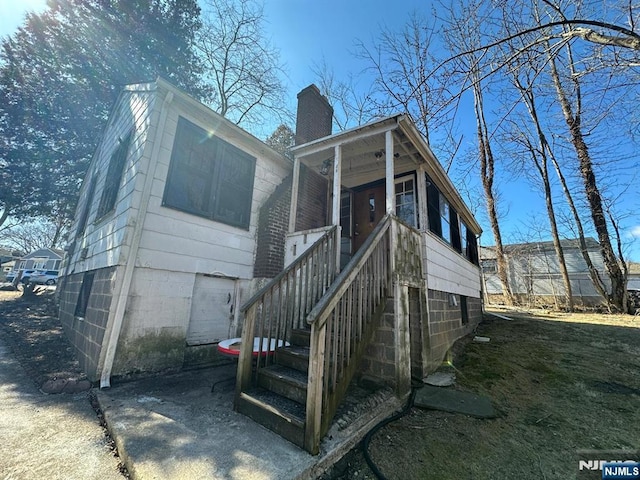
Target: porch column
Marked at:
337, 181
335, 213
293, 209
390, 184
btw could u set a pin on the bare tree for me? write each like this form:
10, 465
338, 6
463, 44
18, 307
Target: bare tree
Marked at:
403, 64
572, 112
35, 233
352, 105
524, 71
241, 67
464, 32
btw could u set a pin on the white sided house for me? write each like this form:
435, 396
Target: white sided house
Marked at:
359, 258
533, 271
165, 233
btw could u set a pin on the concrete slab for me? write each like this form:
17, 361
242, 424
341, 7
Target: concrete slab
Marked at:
57, 437
441, 379
455, 401
174, 427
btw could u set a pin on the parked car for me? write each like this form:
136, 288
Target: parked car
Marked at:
26, 275
46, 277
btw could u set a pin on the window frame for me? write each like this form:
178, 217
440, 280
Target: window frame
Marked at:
402, 180
84, 295
211, 158
113, 178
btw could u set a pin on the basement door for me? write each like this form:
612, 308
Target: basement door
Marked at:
213, 307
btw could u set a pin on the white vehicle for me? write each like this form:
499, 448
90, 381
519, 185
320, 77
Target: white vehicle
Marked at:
46, 277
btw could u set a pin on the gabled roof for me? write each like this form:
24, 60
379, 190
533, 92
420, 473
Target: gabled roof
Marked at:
45, 252
363, 161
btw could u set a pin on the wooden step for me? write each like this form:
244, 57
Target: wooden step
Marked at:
285, 381
301, 336
294, 356
277, 413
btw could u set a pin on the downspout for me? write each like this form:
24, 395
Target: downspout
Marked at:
114, 336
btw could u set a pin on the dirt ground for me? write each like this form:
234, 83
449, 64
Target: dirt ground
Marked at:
34, 334
566, 386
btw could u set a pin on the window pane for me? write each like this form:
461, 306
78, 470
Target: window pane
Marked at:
114, 176
405, 201
463, 238
444, 219
209, 177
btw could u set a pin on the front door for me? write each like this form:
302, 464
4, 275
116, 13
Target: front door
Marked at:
369, 205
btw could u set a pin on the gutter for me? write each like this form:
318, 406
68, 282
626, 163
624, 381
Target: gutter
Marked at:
123, 296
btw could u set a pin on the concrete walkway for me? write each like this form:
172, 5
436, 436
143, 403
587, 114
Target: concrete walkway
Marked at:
48, 436
174, 427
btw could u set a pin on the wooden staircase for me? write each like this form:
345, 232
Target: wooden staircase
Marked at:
328, 319
278, 401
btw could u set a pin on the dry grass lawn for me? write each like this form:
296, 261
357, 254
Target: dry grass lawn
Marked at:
562, 383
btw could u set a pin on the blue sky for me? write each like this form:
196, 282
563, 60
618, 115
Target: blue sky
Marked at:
306, 32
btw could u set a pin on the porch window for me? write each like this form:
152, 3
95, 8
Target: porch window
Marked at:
445, 220
88, 199
463, 239
406, 200
113, 178
209, 177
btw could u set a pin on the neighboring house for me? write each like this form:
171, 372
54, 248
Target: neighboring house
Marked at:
534, 273
189, 230
633, 277
41, 259
7, 263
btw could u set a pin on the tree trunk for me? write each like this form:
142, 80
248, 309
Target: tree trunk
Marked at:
598, 284
618, 295
542, 167
487, 174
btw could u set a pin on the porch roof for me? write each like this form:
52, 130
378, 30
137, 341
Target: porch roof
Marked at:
363, 157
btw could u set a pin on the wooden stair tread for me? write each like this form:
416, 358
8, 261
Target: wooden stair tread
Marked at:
278, 404
285, 373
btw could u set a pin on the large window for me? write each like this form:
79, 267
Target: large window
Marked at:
114, 175
209, 177
445, 223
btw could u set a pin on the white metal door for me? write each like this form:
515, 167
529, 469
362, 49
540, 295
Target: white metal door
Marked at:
212, 310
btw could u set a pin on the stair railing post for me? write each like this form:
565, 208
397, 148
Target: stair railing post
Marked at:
245, 358
315, 395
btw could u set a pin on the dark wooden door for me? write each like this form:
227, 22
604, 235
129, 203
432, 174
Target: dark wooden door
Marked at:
368, 210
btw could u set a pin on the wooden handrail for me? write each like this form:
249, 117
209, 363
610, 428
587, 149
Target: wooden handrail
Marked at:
281, 305
275, 280
344, 279
342, 323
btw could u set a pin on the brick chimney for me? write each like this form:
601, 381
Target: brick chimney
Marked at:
314, 115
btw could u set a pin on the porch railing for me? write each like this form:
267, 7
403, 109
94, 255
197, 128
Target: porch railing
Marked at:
341, 325
283, 304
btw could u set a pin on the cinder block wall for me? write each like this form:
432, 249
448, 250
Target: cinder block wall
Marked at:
445, 324
380, 356
86, 334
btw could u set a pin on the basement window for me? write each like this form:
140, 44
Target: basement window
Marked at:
83, 296
464, 312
